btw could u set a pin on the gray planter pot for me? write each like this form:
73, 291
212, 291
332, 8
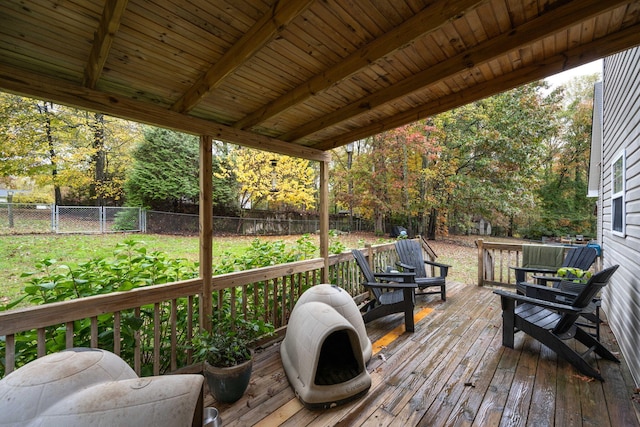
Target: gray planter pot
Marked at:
227, 385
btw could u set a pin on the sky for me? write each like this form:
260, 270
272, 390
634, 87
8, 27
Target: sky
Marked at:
564, 77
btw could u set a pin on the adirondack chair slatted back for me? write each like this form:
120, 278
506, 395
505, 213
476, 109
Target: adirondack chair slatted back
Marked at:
366, 271
584, 298
410, 253
581, 258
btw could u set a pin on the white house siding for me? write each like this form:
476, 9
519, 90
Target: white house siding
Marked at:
621, 131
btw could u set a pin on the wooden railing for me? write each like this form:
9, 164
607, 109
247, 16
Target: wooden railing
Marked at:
152, 327
496, 259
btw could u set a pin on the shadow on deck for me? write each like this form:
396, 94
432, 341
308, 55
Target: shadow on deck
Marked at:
452, 371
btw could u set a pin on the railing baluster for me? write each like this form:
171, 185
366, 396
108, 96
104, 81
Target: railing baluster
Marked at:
68, 336
275, 304
157, 318
190, 327
137, 352
233, 302
116, 333
174, 334
10, 353
266, 301
244, 302
94, 332
42, 344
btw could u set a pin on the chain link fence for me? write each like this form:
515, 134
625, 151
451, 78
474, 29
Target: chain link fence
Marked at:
172, 223
23, 218
27, 218
98, 219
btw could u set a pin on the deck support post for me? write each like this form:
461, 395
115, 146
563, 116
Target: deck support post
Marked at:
206, 231
324, 218
480, 262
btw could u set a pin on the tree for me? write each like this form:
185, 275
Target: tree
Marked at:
567, 210
81, 155
493, 148
165, 170
165, 174
480, 159
267, 179
23, 146
385, 175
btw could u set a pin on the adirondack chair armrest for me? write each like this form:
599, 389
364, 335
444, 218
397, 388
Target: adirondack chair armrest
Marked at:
444, 268
534, 290
543, 280
399, 276
437, 264
391, 285
521, 272
407, 267
510, 296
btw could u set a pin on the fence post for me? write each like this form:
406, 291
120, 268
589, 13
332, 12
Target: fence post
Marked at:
143, 219
10, 207
479, 243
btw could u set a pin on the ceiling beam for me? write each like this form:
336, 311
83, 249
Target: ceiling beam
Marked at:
428, 20
102, 39
282, 12
27, 83
575, 57
544, 25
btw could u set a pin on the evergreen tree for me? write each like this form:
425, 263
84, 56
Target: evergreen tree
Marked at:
165, 174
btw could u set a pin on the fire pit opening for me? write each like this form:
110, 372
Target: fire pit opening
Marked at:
337, 362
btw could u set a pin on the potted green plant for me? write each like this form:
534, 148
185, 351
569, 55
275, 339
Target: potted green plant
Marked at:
226, 354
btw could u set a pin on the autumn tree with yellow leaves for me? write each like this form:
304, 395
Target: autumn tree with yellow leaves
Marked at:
273, 181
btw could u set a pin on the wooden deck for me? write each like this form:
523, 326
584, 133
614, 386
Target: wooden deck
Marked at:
452, 371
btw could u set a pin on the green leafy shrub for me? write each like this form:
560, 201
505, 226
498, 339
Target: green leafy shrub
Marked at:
126, 220
230, 344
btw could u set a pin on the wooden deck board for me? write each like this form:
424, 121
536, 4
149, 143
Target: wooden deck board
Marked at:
452, 371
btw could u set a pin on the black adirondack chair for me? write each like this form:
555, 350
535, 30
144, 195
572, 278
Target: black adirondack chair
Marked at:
392, 293
554, 323
582, 257
412, 260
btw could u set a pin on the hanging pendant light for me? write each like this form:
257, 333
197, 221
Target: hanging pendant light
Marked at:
274, 178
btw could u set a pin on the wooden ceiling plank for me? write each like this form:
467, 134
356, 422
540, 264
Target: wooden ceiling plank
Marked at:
156, 31
31, 84
263, 32
72, 18
38, 48
603, 24
341, 41
575, 57
560, 18
428, 20
102, 40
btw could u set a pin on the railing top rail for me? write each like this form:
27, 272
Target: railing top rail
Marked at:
66, 311
240, 278
503, 246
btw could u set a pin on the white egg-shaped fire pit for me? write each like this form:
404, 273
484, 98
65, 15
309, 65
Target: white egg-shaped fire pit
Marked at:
326, 348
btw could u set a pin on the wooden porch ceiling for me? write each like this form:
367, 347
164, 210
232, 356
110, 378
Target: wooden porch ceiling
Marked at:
297, 77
